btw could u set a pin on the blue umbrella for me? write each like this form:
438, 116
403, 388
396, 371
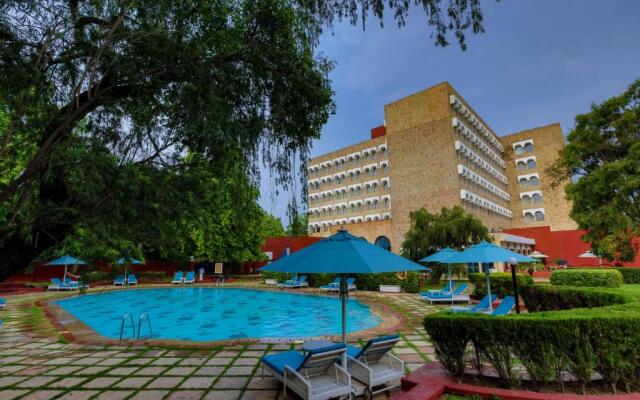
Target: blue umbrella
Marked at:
66, 260
343, 253
126, 261
485, 253
441, 257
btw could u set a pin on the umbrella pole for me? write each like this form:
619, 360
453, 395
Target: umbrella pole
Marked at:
64, 278
450, 282
343, 298
487, 272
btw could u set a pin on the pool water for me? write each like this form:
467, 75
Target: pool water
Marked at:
209, 314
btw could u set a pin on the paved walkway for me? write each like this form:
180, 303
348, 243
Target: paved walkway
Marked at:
35, 363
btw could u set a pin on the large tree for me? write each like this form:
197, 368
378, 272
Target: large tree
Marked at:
602, 158
145, 84
451, 227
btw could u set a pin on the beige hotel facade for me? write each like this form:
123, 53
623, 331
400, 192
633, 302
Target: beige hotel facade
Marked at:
435, 151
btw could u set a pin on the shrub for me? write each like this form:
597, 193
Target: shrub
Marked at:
630, 275
278, 276
150, 276
500, 283
549, 298
549, 344
587, 277
96, 276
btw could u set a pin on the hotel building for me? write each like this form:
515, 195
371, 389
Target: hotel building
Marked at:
435, 151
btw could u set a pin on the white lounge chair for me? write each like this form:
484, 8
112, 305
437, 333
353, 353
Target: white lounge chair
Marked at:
374, 365
177, 278
315, 375
190, 278
447, 297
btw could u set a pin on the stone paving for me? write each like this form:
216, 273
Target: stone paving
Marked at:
36, 363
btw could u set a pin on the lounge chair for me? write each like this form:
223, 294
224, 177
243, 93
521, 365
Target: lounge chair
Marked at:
132, 280
3, 304
333, 285
448, 287
177, 278
315, 375
288, 282
504, 308
190, 278
57, 284
375, 366
444, 297
482, 306
295, 283
119, 280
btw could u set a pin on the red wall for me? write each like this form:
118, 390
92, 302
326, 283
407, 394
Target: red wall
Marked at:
278, 245
566, 245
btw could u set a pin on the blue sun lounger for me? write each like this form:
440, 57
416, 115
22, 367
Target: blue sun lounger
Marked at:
482, 306
119, 280
132, 280
504, 308
375, 366
57, 284
454, 296
448, 287
3, 304
296, 283
314, 375
334, 285
177, 278
190, 278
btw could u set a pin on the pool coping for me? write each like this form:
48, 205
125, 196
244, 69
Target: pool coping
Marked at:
74, 330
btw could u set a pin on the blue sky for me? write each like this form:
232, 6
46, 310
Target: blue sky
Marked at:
539, 62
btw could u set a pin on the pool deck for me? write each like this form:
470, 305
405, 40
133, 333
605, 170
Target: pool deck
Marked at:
43, 360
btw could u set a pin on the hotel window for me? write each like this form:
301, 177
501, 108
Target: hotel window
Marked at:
353, 208
383, 153
528, 147
524, 183
537, 198
386, 203
528, 217
533, 181
385, 169
385, 185
519, 150
539, 216
522, 166
526, 200
531, 164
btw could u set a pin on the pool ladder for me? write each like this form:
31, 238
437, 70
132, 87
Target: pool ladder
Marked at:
128, 318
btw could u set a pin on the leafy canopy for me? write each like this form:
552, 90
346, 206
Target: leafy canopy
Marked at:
603, 158
452, 227
119, 119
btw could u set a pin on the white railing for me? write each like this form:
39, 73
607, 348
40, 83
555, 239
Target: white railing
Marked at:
485, 203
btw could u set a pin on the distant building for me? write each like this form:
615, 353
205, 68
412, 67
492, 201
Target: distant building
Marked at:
435, 151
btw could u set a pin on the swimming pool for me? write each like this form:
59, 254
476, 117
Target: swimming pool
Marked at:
210, 314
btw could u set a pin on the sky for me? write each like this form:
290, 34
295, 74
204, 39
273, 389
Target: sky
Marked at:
539, 62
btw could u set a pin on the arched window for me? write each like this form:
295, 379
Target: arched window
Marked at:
526, 200
537, 198
528, 147
528, 217
524, 183
521, 166
386, 202
384, 242
519, 149
539, 216
531, 164
385, 185
533, 181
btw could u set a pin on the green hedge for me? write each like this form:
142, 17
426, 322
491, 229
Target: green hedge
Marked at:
630, 275
549, 344
587, 277
363, 281
548, 298
501, 283
150, 276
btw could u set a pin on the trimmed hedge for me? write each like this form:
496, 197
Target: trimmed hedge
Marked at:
630, 275
609, 278
150, 276
500, 283
549, 344
363, 281
549, 298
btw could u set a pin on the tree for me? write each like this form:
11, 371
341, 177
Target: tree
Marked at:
271, 227
297, 222
602, 158
147, 83
452, 227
